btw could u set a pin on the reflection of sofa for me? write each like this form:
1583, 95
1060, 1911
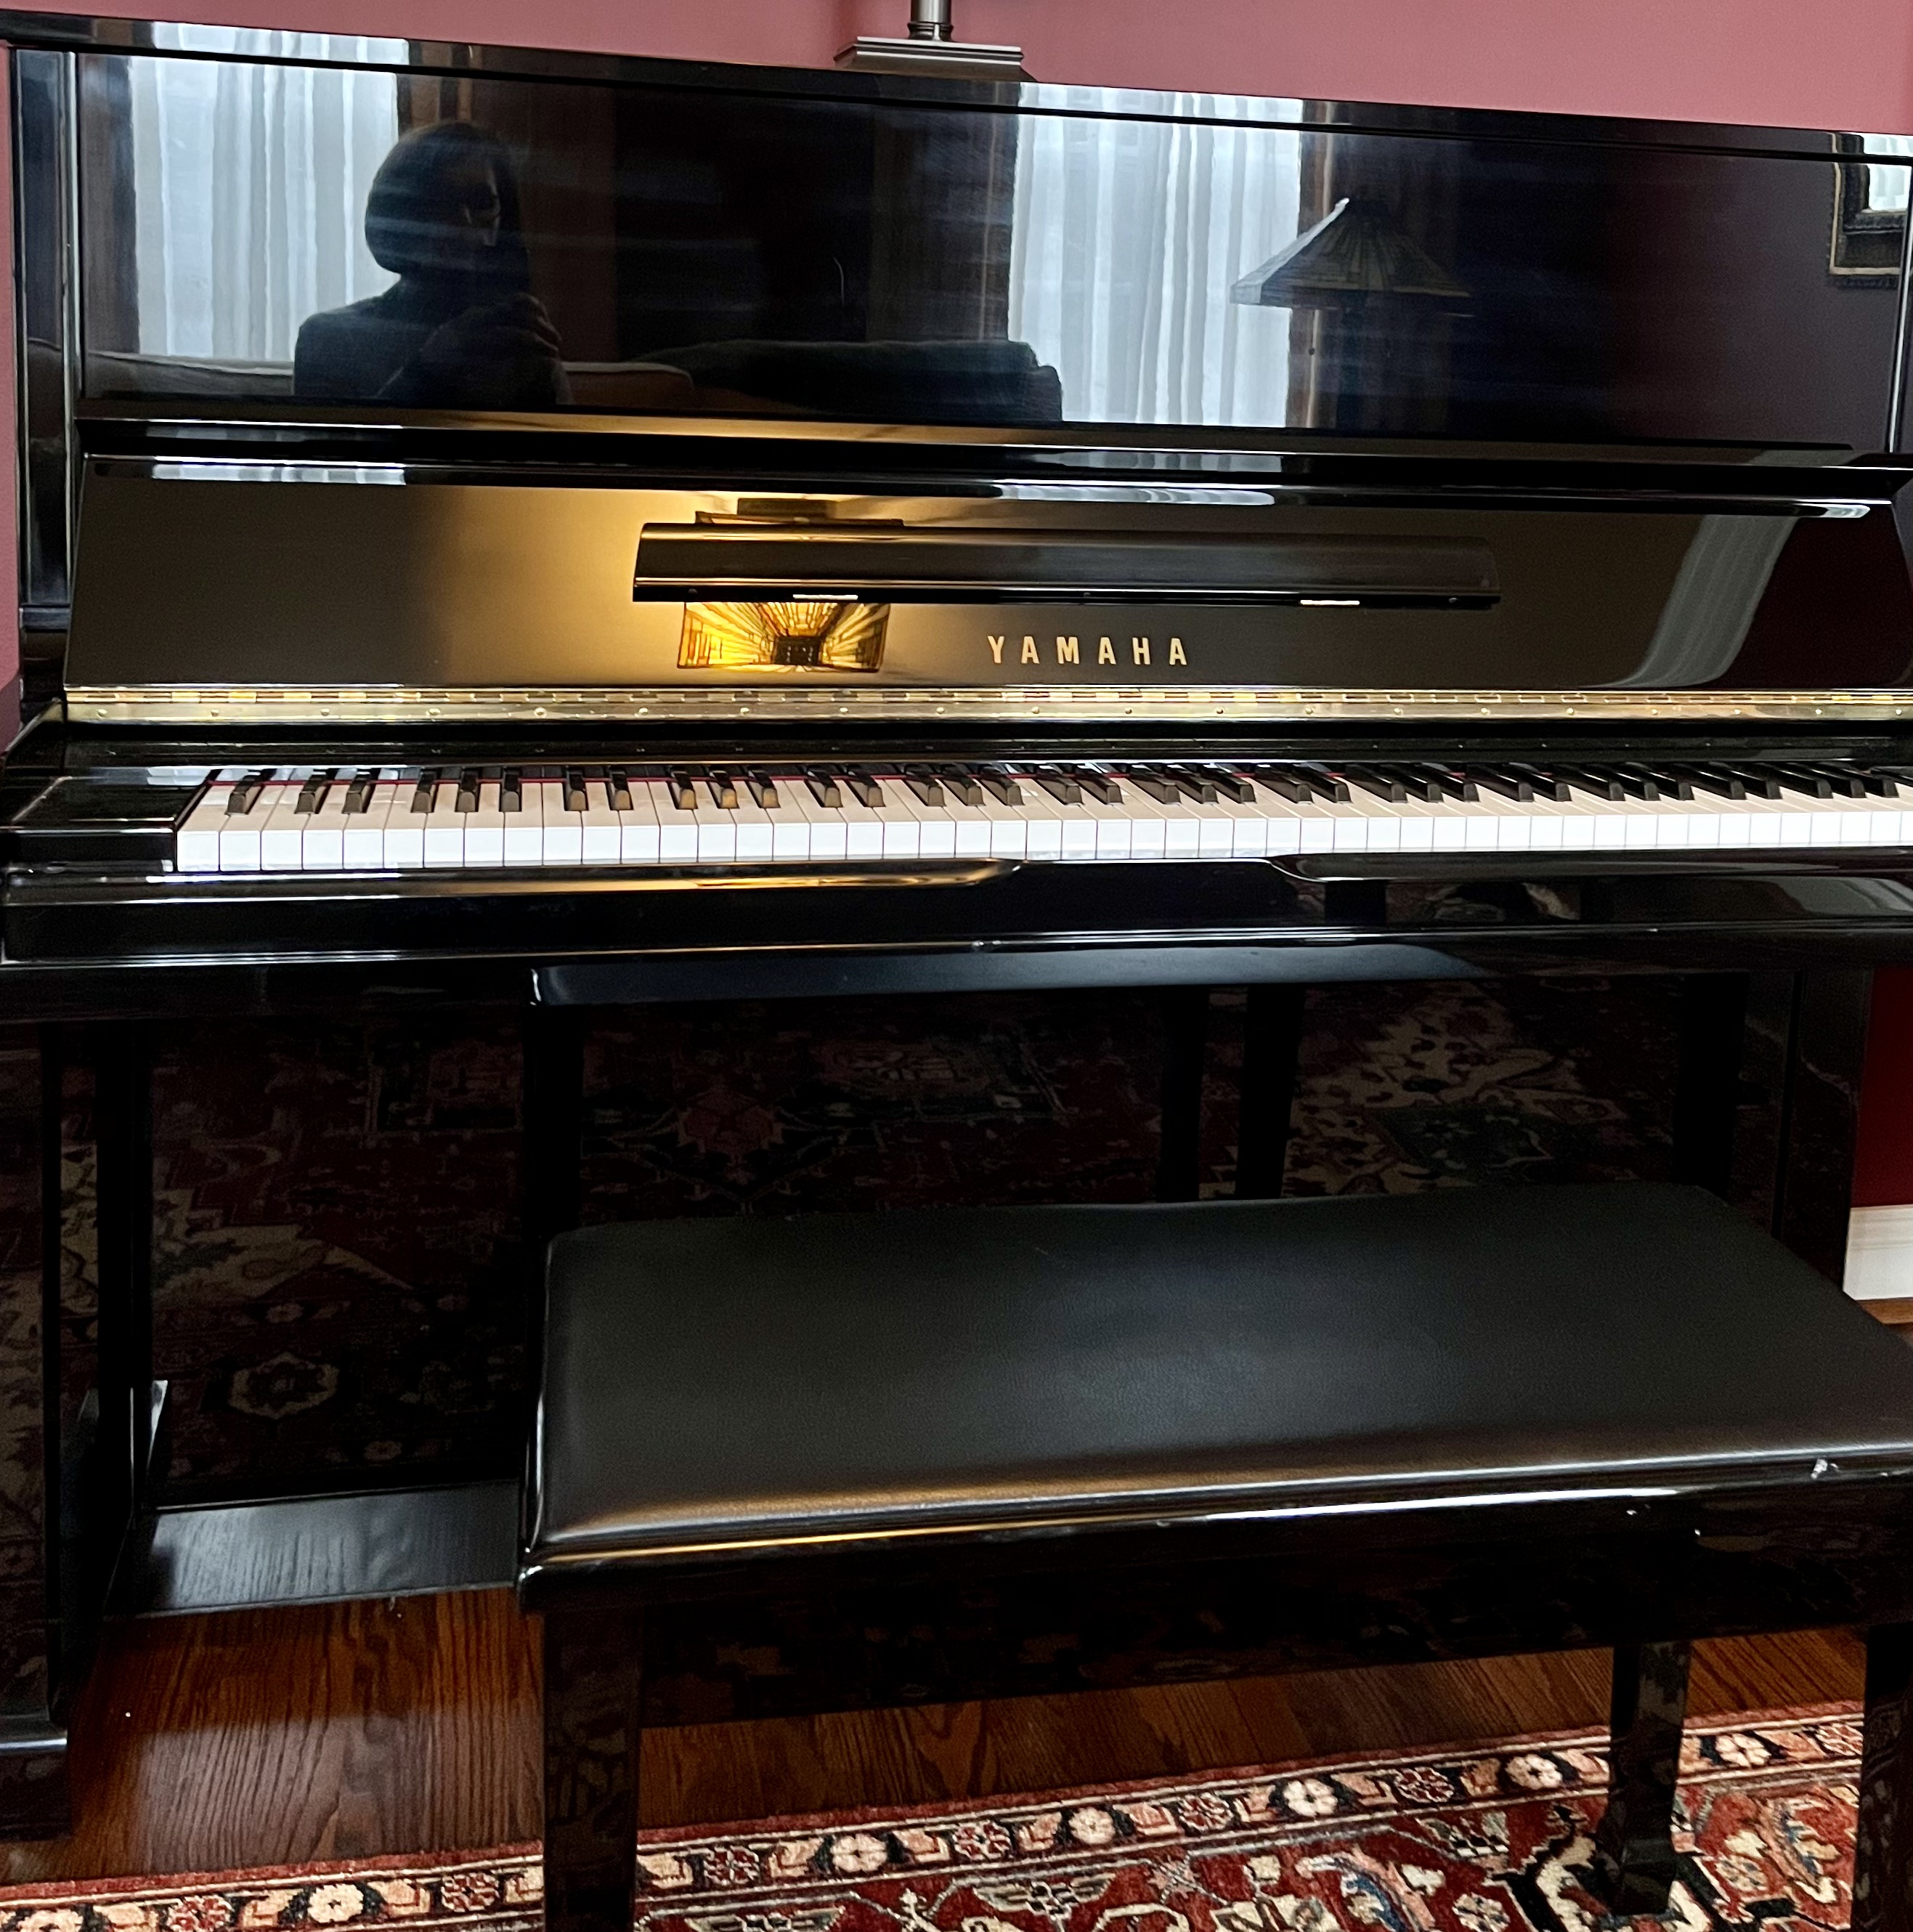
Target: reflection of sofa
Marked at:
997, 382
595, 385
885, 381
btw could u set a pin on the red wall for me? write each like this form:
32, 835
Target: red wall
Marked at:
1802, 63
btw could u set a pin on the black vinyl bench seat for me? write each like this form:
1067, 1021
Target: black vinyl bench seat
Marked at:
915, 1456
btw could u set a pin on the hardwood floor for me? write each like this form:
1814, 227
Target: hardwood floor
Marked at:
352, 1731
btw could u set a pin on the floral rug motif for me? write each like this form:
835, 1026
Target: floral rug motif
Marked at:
1491, 1838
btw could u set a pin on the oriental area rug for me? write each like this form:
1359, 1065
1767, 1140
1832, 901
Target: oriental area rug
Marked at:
1489, 1838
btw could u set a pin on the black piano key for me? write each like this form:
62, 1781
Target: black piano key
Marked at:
1547, 783
510, 791
424, 791
1228, 784
1001, 785
1291, 787
763, 789
1761, 782
1193, 785
618, 784
1449, 784
1879, 784
1842, 781
1504, 784
1707, 778
1323, 783
1152, 783
575, 799
823, 787
1060, 786
924, 784
1099, 785
723, 789
962, 785
863, 788
469, 782
1387, 786
246, 794
1595, 783
682, 786
312, 794
359, 794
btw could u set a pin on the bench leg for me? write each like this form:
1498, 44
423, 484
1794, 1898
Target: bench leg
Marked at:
1634, 1842
1883, 1849
593, 1672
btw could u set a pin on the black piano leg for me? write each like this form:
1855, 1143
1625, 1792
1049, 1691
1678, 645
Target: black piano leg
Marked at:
554, 1148
1712, 1022
593, 1716
1271, 1047
33, 1742
1634, 1842
1185, 1044
122, 1077
1883, 1849
1819, 1116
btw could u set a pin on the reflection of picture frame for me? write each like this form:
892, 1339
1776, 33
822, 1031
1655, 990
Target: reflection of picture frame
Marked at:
1867, 240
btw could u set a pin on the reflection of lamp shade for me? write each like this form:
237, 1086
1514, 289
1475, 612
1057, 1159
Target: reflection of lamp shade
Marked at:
1355, 253
814, 633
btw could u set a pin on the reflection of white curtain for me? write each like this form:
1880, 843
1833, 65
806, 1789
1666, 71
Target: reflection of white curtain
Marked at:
1127, 237
249, 190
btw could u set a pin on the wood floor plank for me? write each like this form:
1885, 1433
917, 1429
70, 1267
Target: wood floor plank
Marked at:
355, 1730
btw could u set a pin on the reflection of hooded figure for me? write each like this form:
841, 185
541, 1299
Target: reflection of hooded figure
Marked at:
461, 329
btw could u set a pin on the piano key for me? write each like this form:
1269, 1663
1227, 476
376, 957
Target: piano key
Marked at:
365, 828
561, 833
196, 843
445, 825
675, 807
756, 842
521, 804
404, 836
484, 826
602, 842
902, 828
283, 835
247, 810
322, 843
638, 838
790, 822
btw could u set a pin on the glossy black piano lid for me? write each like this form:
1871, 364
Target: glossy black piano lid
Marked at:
501, 244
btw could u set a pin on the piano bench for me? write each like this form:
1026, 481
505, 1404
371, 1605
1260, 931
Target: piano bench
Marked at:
788, 1466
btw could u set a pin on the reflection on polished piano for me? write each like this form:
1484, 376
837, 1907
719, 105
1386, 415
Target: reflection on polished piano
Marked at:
699, 531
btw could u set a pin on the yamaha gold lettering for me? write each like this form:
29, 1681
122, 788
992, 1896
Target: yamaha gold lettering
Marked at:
1068, 652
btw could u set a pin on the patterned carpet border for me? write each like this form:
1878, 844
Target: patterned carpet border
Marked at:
1490, 1837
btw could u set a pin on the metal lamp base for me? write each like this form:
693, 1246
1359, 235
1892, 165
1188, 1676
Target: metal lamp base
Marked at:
942, 60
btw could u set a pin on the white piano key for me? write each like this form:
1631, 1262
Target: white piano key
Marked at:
562, 842
601, 841
790, 822
484, 829
240, 835
445, 827
717, 828
322, 843
638, 826
757, 843
283, 835
405, 829
829, 830
195, 845
524, 824
896, 815
677, 824
1009, 831
365, 831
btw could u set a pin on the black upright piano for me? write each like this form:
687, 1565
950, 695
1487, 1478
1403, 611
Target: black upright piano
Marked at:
509, 526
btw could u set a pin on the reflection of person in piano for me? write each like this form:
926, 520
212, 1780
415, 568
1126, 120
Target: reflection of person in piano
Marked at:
461, 328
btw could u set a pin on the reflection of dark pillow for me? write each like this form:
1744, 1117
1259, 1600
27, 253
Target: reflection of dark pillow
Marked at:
888, 381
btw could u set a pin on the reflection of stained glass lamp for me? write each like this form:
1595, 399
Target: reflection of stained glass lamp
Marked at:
1381, 295
816, 634
1356, 250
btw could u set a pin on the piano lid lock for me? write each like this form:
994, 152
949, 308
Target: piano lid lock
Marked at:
796, 562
